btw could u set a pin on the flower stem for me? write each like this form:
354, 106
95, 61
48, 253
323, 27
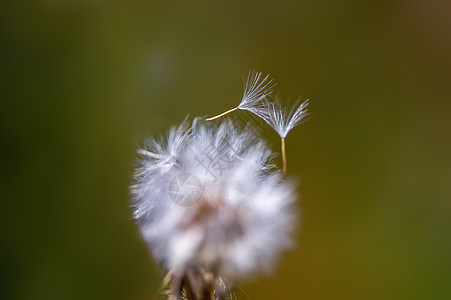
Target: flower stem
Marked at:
284, 156
224, 113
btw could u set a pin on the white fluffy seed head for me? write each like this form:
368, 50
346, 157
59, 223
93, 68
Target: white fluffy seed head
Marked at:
241, 213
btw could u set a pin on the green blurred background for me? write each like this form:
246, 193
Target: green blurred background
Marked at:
83, 81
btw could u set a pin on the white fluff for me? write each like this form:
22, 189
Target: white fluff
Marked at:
245, 215
256, 89
279, 118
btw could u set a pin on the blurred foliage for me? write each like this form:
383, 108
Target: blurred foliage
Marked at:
83, 81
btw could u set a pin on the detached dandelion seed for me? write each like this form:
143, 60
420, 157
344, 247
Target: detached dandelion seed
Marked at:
281, 120
256, 89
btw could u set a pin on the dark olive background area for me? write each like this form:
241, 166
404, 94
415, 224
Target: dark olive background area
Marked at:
82, 82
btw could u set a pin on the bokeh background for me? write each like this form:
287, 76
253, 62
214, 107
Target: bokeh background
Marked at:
82, 82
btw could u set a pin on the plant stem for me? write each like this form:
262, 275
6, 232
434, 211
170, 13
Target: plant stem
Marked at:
284, 157
224, 113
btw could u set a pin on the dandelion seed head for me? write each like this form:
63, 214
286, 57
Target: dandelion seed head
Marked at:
243, 217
